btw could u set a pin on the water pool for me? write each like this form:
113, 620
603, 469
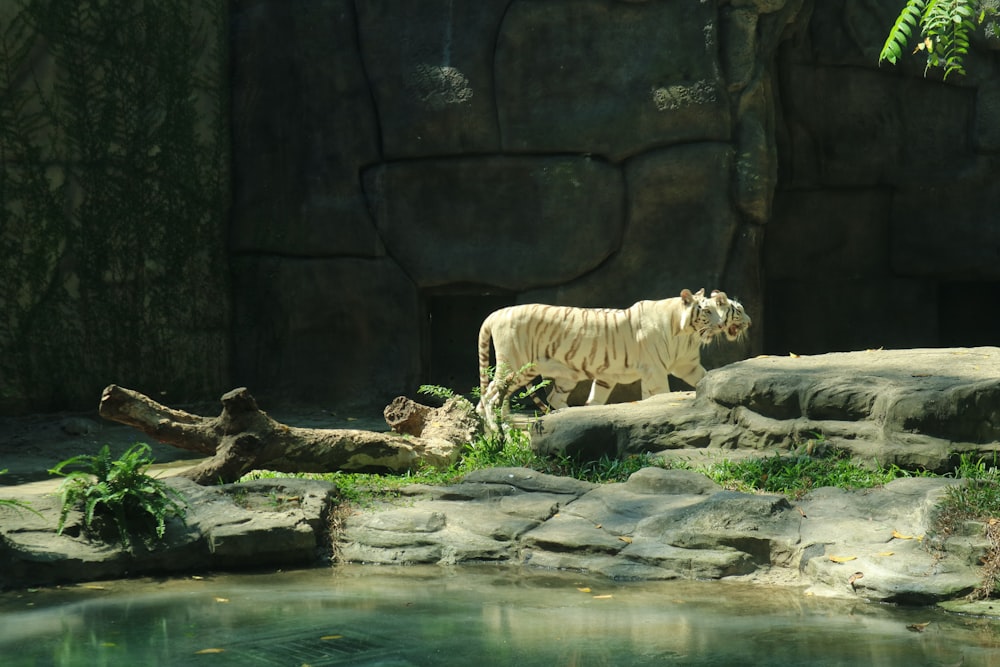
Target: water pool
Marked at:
481, 616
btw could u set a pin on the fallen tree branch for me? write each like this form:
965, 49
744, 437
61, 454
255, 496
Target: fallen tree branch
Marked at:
244, 438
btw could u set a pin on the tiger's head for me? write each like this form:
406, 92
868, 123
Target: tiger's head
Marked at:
730, 318
699, 315
714, 315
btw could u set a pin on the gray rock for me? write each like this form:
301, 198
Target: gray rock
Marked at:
692, 529
407, 519
292, 354
551, 56
685, 563
430, 215
660, 481
431, 74
566, 532
912, 408
529, 480
877, 544
259, 524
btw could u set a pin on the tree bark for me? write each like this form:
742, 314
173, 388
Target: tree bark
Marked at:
244, 438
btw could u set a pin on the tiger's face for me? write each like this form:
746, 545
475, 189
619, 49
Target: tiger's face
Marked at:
715, 315
706, 320
727, 316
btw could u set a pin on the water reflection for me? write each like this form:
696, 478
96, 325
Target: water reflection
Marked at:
404, 617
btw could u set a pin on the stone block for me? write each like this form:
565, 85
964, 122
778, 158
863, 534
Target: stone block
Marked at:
986, 126
610, 78
947, 230
301, 130
681, 226
508, 222
826, 233
829, 314
739, 45
325, 331
756, 168
430, 65
856, 127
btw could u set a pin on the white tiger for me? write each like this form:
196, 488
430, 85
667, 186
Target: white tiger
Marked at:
648, 341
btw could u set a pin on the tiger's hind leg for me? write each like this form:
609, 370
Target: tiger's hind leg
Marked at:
499, 391
558, 398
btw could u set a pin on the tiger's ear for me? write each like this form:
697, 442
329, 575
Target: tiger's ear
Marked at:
686, 297
720, 297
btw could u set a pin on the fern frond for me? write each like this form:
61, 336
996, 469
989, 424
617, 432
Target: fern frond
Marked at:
902, 30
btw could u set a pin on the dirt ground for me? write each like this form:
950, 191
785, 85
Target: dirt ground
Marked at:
31, 445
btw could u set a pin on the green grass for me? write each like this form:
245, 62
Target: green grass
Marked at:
976, 500
510, 450
792, 475
795, 475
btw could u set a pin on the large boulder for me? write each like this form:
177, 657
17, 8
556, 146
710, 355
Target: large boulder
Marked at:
680, 195
267, 523
678, 524
913, 408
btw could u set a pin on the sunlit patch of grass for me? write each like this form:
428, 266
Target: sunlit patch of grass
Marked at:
797, 474
510, 449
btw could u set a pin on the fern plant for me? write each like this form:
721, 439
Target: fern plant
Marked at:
941, 28
118, 490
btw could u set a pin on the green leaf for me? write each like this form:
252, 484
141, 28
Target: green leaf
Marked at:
900, 34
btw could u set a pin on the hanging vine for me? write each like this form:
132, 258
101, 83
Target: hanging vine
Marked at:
941, 29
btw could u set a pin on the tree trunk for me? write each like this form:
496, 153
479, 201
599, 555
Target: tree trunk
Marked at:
244, 438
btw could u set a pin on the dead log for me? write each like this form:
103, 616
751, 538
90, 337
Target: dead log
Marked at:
244, 438
406, 416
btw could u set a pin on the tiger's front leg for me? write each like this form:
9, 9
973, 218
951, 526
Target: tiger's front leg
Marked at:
599, 392
691, 374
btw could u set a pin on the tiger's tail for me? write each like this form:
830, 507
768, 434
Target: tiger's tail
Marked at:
485, 341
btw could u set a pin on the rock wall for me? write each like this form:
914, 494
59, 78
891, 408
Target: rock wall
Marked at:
401, 169
409, 167
884, 225
114, 170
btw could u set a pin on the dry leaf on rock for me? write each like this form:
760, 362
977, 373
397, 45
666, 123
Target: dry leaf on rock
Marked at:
842, 559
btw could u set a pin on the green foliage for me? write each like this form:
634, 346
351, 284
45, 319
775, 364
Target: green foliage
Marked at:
939, 28
437, 391
118, 490
796, 475
605, 470
978, 499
